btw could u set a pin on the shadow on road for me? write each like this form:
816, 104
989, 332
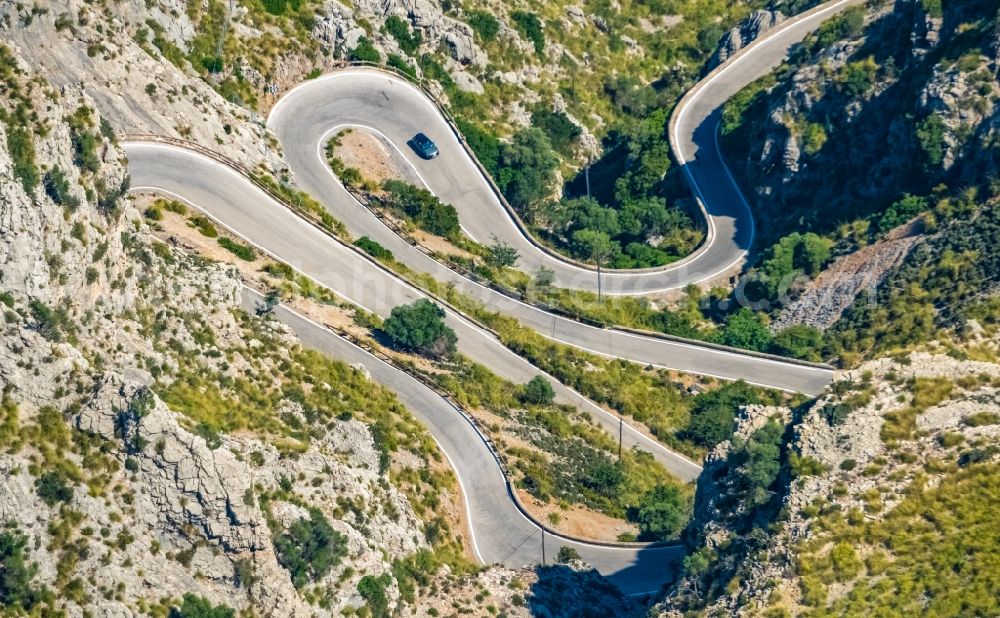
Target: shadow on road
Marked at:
575, 590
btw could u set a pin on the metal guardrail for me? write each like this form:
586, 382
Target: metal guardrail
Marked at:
516, 294
404, 235
312, 219
423, 86
484, 435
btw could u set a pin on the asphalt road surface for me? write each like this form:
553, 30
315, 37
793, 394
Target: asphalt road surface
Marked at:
500, 532
308, 115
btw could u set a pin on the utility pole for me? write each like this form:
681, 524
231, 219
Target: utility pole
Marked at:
599, 260
621, 424
543, 545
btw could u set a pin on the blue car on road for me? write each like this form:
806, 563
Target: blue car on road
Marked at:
424, 146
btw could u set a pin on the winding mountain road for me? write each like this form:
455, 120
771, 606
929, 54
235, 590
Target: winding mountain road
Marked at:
309, 114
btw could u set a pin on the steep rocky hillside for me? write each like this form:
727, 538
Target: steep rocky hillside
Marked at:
538, 90
872, 500
160, 447
879, 103
872, 156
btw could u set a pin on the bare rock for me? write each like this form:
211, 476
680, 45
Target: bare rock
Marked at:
744, 33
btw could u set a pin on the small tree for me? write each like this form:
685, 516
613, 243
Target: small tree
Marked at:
538, 391
662, 513
799, 341
310, 548
593, 245
567, 554
744, 329
500, 254
420, 327
53, 488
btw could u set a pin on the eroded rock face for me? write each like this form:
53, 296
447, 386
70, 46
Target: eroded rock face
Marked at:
965, 102
186, 482
850, 462
746, 32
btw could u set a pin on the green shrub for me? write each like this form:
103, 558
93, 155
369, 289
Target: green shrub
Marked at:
365, 52
744, 329
567, 554
538, 391
373, 249
804, 466
400, 30
58, 189
662, 513
530, 28
930, 136
420, 327
901, 211
423, 207
561, 131
500, 254
798, 341
241, 251
280, 7
310, 548
757, 462
204, 226
194, 606
52, 488
21, 147
373, 590
15, 572
484, 24
279, 270
399, 63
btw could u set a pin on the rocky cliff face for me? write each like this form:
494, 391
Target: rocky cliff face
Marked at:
746, 32
127, 504
878, 103
886, 431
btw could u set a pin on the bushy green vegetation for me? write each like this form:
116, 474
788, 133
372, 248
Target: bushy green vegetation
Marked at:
204, 225
373, 590
662, 513
52, 488
557, 126
310, 548
941, 282
420, 327
21, 147
484, 24
933, 554
85, 141
194, 606
365, 52
58, 189
423, 208
538, 391
530, 27
408, 41
373, 249
713, 413
16, 573
244, 252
